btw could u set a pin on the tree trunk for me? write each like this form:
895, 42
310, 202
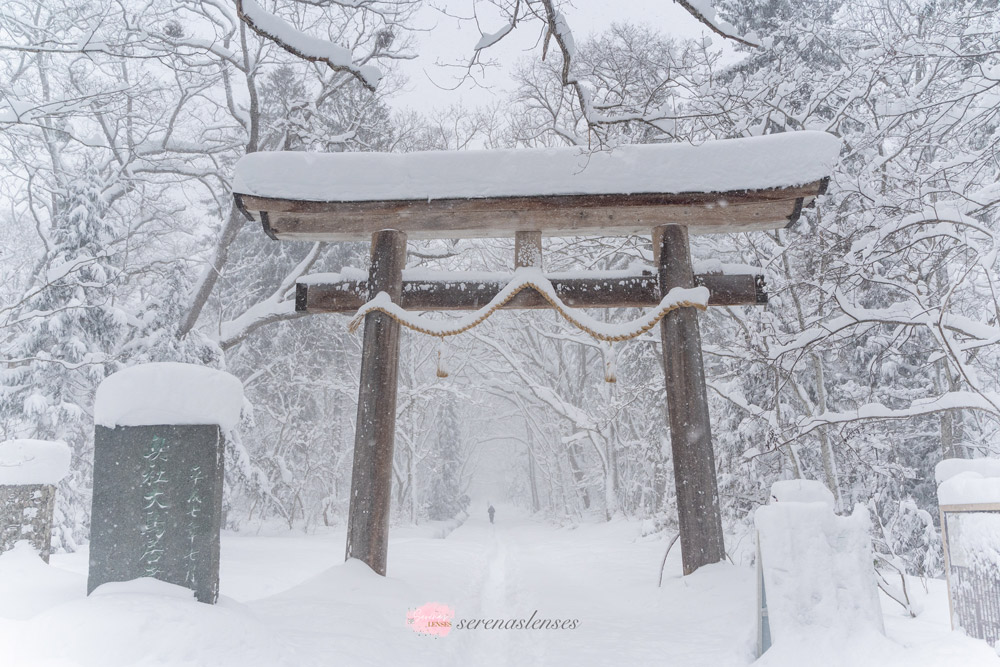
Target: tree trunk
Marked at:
533, 481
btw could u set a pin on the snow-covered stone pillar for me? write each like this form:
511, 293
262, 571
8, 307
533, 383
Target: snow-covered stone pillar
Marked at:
29, 472
158, 475
815, 570
969, 499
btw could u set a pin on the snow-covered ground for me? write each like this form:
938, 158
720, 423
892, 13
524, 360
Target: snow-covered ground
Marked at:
288, 600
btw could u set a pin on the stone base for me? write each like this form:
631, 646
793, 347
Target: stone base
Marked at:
26, 514
157, 506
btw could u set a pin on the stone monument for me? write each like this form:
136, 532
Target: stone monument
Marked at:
29, 472
158, 475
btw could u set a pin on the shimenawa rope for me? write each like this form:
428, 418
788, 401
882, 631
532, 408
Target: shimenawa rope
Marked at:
645, 323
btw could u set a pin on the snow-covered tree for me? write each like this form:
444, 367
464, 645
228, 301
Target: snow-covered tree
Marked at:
444, 499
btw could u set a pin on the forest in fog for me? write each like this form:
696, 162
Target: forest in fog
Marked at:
877, 355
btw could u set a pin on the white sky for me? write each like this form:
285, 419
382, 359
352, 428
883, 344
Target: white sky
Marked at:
448, 40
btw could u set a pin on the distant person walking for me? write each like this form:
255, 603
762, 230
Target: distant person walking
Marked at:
492, 512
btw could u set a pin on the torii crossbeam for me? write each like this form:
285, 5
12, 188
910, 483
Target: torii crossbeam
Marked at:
666, 191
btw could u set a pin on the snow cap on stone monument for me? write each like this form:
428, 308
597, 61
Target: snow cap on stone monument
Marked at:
169, 393
24, 462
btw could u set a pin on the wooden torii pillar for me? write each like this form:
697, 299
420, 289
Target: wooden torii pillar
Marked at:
447, 200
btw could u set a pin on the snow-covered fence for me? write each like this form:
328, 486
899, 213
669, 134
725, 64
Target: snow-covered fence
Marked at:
969, 499
158, 475
815, 571
29, 472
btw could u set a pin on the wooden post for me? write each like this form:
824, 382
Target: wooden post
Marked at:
687, 406
527, 249
371, 477
657, 245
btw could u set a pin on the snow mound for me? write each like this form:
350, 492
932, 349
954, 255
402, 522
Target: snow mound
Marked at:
144, 586
817, 571
868, 648
143, 625
771, 161
29, 585
968, 481
299, 611
801, 491
169, 393
33, 462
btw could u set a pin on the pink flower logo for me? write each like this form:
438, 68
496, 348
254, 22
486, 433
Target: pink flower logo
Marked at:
432, 619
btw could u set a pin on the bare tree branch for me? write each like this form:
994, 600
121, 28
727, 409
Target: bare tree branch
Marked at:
304, 46
714, 25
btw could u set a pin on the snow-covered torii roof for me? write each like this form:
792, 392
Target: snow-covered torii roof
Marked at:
720, 186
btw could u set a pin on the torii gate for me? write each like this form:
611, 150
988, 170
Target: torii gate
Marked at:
668, 191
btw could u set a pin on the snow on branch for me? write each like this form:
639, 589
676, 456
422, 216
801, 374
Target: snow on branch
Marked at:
705, 12
978, 334
489, 39
942, 219
25, 112
579, 418
558, 29
305, 46
270, 310
955, 400
280, 305
370, 5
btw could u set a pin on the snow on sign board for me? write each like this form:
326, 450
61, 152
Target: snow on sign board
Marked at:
727, 185
968, 481
25, 462
169, 393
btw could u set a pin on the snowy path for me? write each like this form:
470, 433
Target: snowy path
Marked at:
496, 596
607, 586
288, 601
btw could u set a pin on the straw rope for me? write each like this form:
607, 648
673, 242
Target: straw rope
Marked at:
646, 323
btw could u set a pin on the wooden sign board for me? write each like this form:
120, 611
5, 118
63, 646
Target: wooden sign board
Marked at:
971, 568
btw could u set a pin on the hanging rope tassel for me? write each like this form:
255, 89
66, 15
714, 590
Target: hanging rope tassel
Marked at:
442, 370
610, 363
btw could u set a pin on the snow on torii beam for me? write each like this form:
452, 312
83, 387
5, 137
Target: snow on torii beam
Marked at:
733, 185
347, 292
667, 190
